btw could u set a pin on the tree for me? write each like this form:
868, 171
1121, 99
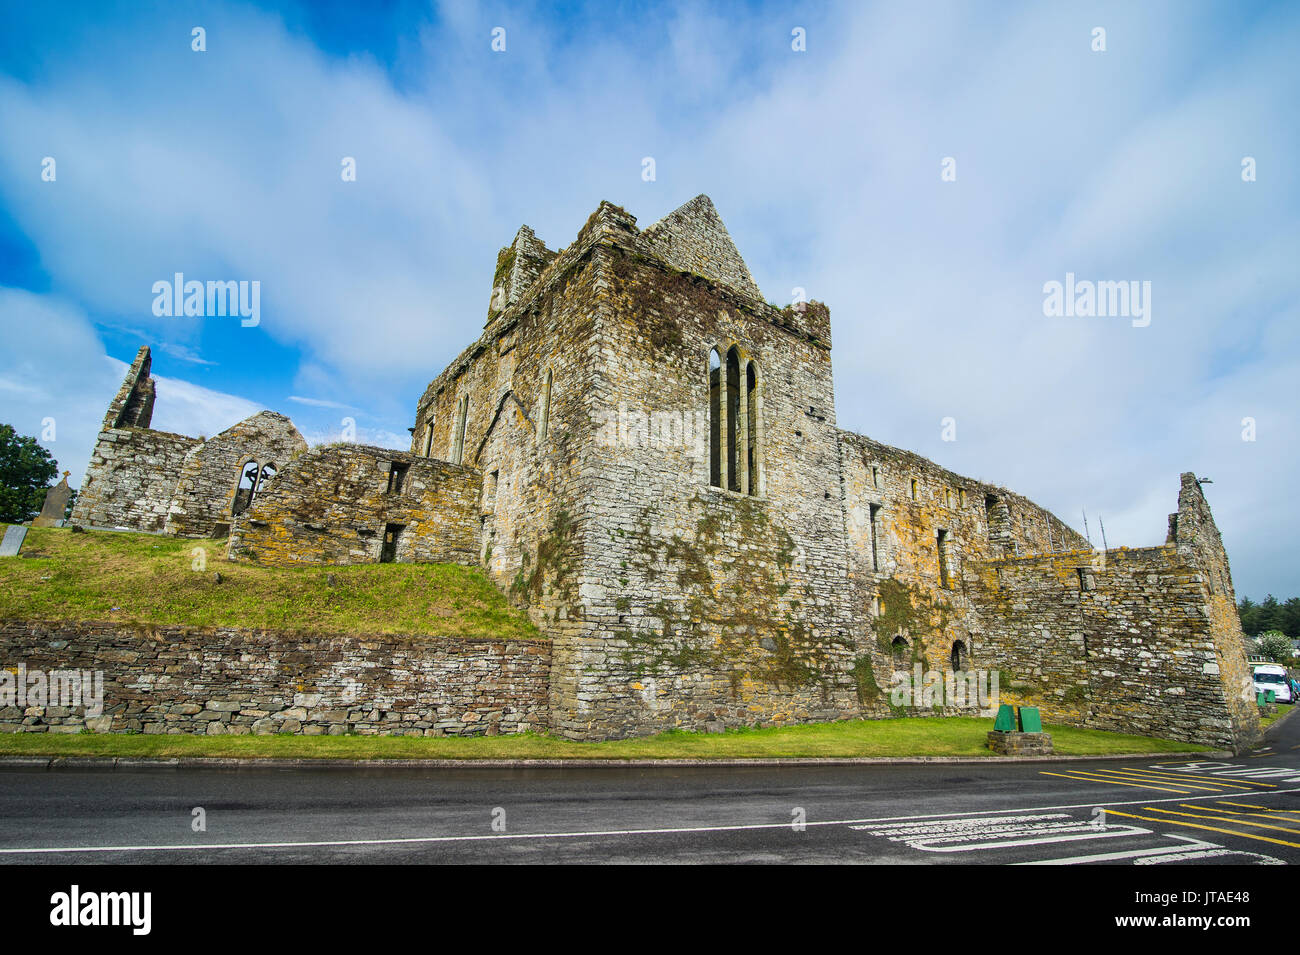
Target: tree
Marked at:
1248, 611
1269, 615
1276, 646
26, 471
1291, 618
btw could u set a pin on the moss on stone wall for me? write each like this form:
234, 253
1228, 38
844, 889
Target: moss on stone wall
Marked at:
743, 617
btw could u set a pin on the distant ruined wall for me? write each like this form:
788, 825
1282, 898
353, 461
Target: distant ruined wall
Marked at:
209, 478
231, 681
332, 505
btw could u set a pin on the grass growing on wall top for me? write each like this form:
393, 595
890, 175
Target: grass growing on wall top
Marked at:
142, 578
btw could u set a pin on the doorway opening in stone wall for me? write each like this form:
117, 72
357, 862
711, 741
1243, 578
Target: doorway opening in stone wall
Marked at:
388, 550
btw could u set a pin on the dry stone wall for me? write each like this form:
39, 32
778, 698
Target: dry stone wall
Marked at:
228, 681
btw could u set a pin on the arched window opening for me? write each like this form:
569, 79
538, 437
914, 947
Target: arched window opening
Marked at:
715, 418
458, 432
247, 485
735, 429
898, 651
960, 657
543, 416
753, 458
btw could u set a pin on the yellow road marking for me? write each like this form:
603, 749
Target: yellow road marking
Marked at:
1207, 778
1266, 813
1160, 779
1193, 825
1116, 782
1238, 821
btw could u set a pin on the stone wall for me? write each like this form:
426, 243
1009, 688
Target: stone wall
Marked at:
169, 679
333, 505
145, 480
1125, 642
204, 495
131, 478
895, 505
697, 606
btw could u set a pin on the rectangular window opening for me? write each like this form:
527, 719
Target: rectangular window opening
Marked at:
942, 546
397, 477
875, 547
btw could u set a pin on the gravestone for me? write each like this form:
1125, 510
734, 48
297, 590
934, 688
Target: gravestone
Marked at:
55, 506
14, 536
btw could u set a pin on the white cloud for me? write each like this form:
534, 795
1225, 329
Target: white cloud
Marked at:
825, 166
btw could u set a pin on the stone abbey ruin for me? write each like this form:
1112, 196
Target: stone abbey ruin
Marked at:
643, 453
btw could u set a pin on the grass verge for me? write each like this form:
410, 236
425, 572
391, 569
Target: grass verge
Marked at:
141, 578
955, 736
1282, 710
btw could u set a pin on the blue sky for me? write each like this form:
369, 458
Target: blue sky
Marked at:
825, 164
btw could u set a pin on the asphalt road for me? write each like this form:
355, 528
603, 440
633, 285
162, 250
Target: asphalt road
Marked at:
1244, 810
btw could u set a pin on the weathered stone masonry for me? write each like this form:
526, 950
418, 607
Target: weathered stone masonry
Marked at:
145, 480
234, 681
645, 455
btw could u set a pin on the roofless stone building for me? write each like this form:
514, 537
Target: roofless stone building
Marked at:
644, 453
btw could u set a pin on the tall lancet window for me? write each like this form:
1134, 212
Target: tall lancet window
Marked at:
715, 419
754, 434
458, 432
735, 425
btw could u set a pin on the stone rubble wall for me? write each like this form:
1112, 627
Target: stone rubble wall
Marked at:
205, 488
131, 478
1127, 644
693, 238
228, 681
699, 607
331, 505
897, 592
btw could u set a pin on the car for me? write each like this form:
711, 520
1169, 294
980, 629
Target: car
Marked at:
1271, 676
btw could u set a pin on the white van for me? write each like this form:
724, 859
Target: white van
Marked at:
1271, 676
